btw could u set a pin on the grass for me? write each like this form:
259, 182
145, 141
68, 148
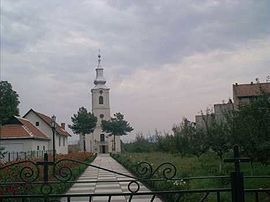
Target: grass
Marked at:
190, 166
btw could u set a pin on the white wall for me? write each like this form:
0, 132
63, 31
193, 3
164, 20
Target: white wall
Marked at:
24, 145
46, 129
93, 140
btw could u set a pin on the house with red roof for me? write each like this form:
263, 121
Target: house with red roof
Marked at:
33, 132
43, 123
20, 135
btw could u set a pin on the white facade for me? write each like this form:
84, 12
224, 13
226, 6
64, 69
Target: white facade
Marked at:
98, 141
20, 145
61, 142
22, 148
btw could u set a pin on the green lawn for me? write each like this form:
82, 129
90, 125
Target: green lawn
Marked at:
190, 166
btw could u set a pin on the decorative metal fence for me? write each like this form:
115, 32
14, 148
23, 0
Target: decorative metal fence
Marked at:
6, 157
41, 177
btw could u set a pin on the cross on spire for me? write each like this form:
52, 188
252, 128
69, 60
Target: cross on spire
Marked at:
99, 58
236, 160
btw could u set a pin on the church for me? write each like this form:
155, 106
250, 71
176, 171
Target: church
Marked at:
99, 141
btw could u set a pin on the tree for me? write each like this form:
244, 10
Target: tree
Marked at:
219, 139
9, 101
250, 128
140, 144
182, 134
83, 123
117, 126
218, 135
198, 143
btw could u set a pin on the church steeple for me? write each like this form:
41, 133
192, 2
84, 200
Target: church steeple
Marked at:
100, 80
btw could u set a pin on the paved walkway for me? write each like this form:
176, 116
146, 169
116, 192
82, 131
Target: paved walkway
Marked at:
94, 174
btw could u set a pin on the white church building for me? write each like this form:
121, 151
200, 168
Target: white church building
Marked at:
99, 141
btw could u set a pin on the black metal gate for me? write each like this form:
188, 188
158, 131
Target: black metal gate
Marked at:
37, 176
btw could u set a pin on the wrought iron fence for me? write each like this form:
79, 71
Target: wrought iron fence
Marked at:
41, 177
6, 157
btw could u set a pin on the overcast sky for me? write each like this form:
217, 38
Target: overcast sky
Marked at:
163, 60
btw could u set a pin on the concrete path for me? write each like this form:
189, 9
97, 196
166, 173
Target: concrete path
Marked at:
94, 174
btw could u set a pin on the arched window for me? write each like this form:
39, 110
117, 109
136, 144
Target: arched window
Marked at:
100, 99
102, 137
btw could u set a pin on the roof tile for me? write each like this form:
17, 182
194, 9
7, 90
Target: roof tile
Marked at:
23, 129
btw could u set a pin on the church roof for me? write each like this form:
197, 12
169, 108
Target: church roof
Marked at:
100, 80
18, 127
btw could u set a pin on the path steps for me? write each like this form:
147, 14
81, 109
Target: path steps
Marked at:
94, 174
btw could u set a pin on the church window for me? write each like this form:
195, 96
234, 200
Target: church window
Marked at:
102, 137
59, 140
100, 91
43, 147
37, 123
100, 99
101, 116
37, 147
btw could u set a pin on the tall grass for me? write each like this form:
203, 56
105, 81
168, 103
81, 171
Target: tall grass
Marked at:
191, 166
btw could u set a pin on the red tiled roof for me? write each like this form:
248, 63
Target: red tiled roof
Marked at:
48, 120
248, 90
22, 129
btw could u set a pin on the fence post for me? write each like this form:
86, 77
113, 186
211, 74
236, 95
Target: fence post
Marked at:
237, 177
237, 183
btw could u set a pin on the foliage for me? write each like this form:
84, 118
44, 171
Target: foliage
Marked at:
2, 153
141, 144
190, 166
83, 123
117, 126
166, 143
198, 143
9, 101
183, 134
250, 128
216, 134
185, 139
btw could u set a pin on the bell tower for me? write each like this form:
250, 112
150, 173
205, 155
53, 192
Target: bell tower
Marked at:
100, 95
99, 141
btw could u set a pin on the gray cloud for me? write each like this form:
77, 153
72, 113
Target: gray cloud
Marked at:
167, 58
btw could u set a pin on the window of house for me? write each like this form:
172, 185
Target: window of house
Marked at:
102, 137
100, 99
37, 123
37, 147
44, 148
59, 141
64, 141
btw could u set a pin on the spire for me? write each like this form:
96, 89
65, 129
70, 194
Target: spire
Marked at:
99, 60
100, 80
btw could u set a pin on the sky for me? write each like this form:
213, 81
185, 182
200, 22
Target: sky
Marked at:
163, 60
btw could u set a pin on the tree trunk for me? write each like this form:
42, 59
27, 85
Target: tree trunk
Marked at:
84, 146
251, 168
220, 162
114, 143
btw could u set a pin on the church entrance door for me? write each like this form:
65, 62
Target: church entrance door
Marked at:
103, 149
